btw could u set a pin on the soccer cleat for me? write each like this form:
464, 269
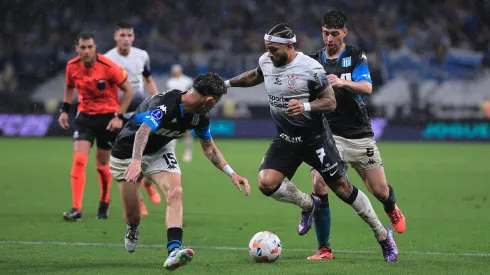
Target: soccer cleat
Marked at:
322, 253
397, 220
103, 212
388, 245
178, 258
307, 217
153, 194
73, 215
187, 156
131, 239
144, 211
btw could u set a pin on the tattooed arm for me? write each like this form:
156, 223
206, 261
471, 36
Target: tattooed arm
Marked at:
247, 79
213, 154
133, 171
140, 141
326, 101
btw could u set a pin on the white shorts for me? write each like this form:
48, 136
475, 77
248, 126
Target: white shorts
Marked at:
162, 161
360, 153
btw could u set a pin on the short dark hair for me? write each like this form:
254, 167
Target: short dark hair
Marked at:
210, 84
84, 36
123, 25
334, 20
282, 30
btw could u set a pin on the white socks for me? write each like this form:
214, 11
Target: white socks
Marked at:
288, 193
365, 210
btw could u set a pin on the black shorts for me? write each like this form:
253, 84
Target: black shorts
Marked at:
90, 127
322, 155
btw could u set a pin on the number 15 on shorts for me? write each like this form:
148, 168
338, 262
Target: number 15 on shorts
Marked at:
170, 160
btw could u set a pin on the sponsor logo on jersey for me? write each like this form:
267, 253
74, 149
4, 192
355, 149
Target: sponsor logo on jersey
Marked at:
278, 102
169, 133
291, 139
346, 62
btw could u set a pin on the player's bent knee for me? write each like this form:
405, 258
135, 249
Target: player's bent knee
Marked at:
381, 192
269, 180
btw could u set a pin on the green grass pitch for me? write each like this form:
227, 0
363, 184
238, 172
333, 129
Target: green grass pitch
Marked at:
443, 190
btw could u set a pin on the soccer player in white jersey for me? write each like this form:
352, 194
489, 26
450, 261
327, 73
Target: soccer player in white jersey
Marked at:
137, 64
180, 81
299, 94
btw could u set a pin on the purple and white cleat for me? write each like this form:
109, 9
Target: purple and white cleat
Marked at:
307, 217
388, 245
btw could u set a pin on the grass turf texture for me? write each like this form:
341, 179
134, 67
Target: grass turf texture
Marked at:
443, 190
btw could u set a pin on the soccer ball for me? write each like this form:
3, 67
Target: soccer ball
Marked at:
265, 247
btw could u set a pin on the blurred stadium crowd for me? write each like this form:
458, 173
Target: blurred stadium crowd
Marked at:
37, 37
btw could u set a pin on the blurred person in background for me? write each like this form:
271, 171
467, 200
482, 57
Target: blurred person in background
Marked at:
137, 63
99, 116
180, 81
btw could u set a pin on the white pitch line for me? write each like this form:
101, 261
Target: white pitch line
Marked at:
466, 254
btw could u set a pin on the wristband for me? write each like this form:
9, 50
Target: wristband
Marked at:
65, 107
120, 116
227, 84
307, 106
228, 170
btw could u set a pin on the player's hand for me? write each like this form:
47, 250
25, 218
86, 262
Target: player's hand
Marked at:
133, 171
295, 108
335, 81
115, 124
63, 120
239, 180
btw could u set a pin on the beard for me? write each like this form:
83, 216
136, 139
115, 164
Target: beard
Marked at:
283, 60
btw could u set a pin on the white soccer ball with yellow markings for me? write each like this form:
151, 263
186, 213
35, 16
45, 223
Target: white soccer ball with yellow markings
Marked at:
265, 247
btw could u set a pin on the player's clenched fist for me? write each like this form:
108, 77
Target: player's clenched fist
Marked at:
63, 120
295, 108
335, 81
